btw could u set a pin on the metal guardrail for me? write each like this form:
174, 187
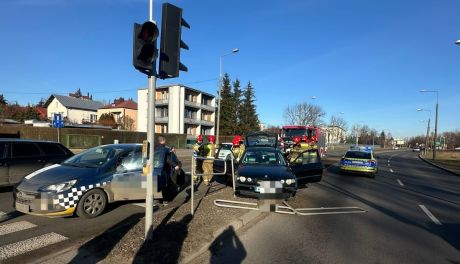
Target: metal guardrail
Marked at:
193, 174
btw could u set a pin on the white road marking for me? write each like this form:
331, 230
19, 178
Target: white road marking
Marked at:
140, 204
388, 164
2, 214
430, 215
15, 227
30, 244
400, 182
391, 170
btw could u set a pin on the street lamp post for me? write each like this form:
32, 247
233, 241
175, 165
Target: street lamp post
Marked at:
427, 127
220, 88
435, 120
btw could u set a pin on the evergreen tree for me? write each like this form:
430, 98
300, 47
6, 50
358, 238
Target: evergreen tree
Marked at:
226, 108
382, 139
248, 115
236, 103
3, 101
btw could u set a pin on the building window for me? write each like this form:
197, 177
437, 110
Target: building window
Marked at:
93, 118
206, 101
190, 114
161, 95
161, 128
161, 112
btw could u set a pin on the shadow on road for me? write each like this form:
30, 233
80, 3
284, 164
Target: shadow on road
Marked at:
99, 247
168, 248
449, 232
234, 249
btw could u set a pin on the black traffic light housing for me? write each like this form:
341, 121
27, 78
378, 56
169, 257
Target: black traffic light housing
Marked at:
171, 43
145, 50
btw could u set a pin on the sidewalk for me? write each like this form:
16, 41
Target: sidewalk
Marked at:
439, 166
178, 236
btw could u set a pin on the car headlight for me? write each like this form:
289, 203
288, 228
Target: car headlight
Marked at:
242, 179
249, 179
60, 187
282, 181
290, 181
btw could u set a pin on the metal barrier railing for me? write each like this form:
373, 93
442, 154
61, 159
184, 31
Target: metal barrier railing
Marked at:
194, 174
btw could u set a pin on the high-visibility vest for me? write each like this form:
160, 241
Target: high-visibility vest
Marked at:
209, 150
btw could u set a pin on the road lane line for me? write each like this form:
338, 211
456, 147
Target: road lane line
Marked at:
400, 182
24, 246
15, 227
391, 170
430, 215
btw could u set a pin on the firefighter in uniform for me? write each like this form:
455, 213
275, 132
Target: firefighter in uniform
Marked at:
198, 152
238, 147
295, 150
208, 163
309, 146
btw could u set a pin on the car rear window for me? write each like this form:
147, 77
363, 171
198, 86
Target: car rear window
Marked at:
24, 150
358, 155
226, 146
51, 149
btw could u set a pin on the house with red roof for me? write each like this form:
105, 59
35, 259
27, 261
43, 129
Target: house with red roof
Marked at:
124, 112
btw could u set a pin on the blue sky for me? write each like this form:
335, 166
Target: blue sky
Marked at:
365, 58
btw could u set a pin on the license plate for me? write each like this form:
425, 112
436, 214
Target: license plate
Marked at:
357, 162
23, 208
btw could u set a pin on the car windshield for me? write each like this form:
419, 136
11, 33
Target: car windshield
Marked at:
261, 140
358, 155
226, 146
263, 157
295, 132
94, 158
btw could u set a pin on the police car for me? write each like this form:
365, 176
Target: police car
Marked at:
85, 183
359, 160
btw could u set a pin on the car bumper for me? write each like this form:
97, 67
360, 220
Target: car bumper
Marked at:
254, 191
356, 169
43, 204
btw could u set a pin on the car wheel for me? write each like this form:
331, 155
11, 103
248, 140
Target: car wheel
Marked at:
92, 204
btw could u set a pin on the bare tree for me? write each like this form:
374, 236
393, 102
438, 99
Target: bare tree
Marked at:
304, 114
338, 122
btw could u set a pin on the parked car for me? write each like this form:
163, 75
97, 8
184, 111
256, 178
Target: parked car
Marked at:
85, 183
19, 157
224, 150
264, 173
359, 161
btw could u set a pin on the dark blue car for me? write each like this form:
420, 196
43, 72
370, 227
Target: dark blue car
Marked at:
85, 183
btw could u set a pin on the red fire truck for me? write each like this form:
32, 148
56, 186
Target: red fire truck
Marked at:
315, 135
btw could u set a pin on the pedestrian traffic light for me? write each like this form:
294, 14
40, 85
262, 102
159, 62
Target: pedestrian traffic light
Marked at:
171, 43
145, 49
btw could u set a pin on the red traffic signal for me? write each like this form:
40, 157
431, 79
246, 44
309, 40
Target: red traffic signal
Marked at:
145, 49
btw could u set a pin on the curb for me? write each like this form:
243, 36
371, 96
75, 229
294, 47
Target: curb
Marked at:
244, 220
439, 167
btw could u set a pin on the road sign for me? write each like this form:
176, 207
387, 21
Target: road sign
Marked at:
57, 121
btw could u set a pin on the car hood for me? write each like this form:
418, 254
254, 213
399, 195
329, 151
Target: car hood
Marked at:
55, 174
266, 172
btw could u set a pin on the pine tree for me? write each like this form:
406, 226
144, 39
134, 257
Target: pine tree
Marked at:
226, 108
248, 117
236, 103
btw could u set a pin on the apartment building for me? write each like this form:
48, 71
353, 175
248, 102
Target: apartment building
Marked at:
178, 109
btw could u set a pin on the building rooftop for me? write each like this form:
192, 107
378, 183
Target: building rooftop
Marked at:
76, 103
129, 104
181, 85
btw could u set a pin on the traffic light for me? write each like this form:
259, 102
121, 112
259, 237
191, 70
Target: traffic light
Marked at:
171, 43
145, 49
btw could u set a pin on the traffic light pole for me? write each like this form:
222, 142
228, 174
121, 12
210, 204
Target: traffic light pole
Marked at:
151, 183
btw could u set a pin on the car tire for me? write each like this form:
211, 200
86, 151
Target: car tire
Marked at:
92, 203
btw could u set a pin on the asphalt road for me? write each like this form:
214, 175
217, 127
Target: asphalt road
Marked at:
27, 238
412, 216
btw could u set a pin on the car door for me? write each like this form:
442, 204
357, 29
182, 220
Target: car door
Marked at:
26, 158
308, 166
3, 164
128, 182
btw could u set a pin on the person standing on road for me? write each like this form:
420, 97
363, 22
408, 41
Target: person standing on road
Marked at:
198, 152
171, 166
238, 147
208, 163
295, 150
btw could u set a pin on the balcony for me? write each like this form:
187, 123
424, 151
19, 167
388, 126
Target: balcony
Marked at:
207, 123
208, 108
192, 104
191, 121
161, 119
159, 102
